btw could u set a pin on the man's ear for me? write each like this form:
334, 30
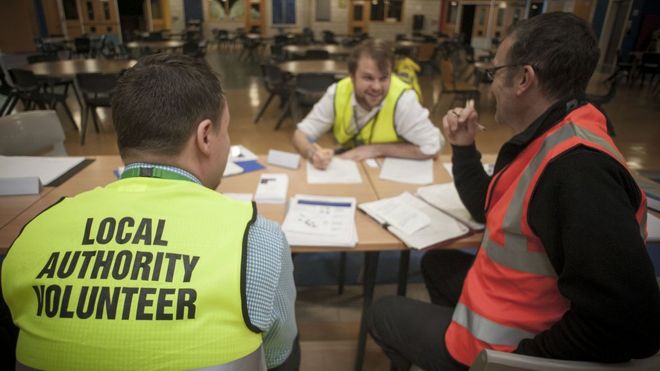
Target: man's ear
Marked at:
526, 80
203, 136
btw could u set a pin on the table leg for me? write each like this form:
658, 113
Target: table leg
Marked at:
404, 262
370, 269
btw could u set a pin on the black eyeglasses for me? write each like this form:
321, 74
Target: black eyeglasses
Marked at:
490, 72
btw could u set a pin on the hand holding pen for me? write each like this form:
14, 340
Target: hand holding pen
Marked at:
320, 157
461, 124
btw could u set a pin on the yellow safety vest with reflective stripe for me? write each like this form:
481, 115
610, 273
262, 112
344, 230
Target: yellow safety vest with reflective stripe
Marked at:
510, 292
145, 273
379, 129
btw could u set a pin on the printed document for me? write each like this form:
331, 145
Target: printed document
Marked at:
46, 168
444, 196
407, 171
441, 227
321, 221
339, 171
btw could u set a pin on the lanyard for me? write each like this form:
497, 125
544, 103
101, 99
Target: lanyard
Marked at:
153, 172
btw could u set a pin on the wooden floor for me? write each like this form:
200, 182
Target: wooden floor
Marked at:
328, 323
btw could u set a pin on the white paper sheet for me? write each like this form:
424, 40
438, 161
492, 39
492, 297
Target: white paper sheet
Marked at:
321, 221
339, 171
402, 216
445, 197
239, 153
232, 169
46, 168
407, 171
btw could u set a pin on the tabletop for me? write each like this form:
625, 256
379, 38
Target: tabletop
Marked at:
69, 68
323, 66
331, 49
19, 210
156, 44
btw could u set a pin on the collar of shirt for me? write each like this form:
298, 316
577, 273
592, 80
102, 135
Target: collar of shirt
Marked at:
166, 168
363, 116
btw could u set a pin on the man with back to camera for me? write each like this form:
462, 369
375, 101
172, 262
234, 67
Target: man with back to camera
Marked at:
562, 270
157, 269
372, 113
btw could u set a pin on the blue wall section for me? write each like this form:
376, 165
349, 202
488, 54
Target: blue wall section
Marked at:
41, 18
193, 10
599, 17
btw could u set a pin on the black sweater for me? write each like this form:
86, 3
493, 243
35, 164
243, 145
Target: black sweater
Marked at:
583, 210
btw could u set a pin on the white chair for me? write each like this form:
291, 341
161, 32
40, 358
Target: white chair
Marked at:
491, 360
32, 133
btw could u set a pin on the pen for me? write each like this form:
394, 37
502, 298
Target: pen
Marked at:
469, 103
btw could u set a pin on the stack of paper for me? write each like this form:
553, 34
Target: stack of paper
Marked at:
430, 229
407, 171
272, 189
21, 175
321, 221
444, 196
339, 171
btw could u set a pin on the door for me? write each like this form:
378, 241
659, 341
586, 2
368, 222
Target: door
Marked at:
254, 17
467, 22
358, 17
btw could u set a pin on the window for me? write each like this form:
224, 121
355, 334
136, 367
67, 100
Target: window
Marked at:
106, 9
284, 11
452, 12
90, 10
156, 11
70, 9
386, 10
322, 10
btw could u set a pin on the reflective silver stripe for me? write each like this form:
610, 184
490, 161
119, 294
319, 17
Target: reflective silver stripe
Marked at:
516, 253
486, 330
255, 361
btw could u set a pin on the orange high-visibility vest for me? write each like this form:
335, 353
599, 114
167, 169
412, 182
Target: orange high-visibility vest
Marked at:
510, 293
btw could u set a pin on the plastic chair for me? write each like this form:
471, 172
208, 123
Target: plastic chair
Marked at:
316, 54
97, 91
82, 46
42, 92
9, 92
491, 360
309, 88
276, 83
30, 133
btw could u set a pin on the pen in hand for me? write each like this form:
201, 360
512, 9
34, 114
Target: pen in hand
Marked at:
469, 104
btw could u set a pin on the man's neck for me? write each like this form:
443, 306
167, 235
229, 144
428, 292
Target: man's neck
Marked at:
534, 109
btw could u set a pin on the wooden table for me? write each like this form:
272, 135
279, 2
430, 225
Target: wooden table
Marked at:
156, 44
372, 238
326, 66
69, 68
333, 50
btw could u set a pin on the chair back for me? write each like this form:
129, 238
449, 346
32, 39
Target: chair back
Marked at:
491, 360
30, 133
316, 54
82, 45
24, 80
310, 87
31, 59
94, 84
329, 37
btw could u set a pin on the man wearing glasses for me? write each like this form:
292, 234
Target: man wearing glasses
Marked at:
562, 270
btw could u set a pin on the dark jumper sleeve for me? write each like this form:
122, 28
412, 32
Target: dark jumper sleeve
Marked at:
471, 179
583, 209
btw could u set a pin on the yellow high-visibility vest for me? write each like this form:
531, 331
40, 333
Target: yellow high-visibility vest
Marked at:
145, 273
379, 129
